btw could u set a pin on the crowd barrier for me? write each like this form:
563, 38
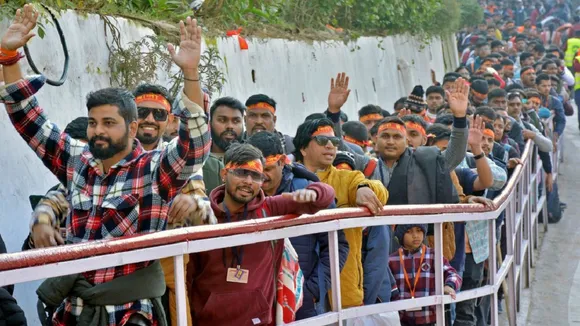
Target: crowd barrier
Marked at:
523, 198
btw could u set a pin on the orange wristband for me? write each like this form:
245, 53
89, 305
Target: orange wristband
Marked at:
8, 53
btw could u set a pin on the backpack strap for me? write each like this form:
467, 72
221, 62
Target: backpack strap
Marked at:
370, 168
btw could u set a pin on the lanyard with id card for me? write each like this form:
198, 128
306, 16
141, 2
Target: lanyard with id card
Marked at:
237, 274
416, 277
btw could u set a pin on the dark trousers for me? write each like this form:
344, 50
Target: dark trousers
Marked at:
577, 100
472, 278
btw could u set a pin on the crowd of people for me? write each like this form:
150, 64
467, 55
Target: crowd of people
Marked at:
143, 162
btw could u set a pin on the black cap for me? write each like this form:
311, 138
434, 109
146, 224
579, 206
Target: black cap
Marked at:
480, 86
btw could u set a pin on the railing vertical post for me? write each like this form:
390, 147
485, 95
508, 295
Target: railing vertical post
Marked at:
179, 278
439, 280
335, 274
511, 277
492, 264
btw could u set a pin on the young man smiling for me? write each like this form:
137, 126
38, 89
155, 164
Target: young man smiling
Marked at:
235, 286
117, 188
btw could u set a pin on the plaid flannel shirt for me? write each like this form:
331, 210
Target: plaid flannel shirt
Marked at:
131, 198
425, 285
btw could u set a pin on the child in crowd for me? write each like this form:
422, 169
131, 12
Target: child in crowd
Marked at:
413, 267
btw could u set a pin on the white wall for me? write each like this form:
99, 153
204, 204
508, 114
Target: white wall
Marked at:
296, 74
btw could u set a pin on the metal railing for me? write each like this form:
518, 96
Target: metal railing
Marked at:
520, 200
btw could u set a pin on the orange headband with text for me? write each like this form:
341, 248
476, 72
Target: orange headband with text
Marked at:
150, 97
372, 116
273, 159
416, 126
393, 126
262, 106
323, 130
489, 133
255, 165
356, 142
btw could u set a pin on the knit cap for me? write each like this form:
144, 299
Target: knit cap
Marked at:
344, 158
401, 229
416, 96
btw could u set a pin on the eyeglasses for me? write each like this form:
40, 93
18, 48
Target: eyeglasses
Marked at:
323, 140
243, 174
158, 114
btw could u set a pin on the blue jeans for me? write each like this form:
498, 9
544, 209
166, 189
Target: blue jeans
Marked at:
577, 100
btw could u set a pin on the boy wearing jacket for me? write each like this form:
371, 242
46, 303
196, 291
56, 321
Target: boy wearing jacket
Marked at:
236, 286
312, 249
413, 266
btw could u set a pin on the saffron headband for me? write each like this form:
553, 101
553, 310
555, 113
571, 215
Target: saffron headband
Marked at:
489, 133
356, 142
368, 117
416, 126
262, 106
323, 130
153, 98
529, 71
273, 159
343, 166
394, 126
255, 165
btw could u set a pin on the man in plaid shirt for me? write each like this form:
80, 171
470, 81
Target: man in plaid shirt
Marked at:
116, 187
413, 267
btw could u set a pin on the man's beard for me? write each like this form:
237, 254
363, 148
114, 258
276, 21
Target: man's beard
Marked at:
145, 137
220, 142
239, 199
113, 148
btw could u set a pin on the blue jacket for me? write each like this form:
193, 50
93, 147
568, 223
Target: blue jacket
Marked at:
312, 249
378, 280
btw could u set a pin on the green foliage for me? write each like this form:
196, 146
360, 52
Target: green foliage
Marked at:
471, 13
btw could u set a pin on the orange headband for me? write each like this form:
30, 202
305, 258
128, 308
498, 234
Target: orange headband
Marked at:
489, 133
153, 98
323, 130
394, 126
262, 105
273, 159
372, 116
356, 142
479, 94
255, 165
416, 126
343, 166
529, 71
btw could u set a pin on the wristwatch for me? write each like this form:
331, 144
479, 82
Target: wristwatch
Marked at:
477, 157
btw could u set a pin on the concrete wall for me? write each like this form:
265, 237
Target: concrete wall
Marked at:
296, 74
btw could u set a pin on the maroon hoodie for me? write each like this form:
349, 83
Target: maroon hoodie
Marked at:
213, 300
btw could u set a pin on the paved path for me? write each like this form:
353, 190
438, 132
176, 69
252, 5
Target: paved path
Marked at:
554, 297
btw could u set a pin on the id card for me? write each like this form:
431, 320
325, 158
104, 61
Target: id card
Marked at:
238, 275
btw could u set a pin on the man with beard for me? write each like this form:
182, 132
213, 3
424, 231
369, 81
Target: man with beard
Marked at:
226, 126
116, 187
234, 286
316, 147
435, 102
261, 116
312, 249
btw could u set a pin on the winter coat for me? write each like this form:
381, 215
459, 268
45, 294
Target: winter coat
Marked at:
10, 313
213, 300
312, 249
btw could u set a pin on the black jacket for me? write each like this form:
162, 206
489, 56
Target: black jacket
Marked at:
10, 313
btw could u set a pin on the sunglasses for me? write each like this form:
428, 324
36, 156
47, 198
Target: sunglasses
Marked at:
323, 140
158, 114
243, 174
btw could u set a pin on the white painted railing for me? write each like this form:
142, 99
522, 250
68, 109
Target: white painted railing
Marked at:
520, 200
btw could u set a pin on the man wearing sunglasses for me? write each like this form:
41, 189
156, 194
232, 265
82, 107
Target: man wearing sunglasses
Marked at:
235, 286
316, 148
312, 249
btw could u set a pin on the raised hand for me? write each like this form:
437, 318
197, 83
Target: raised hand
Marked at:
339, 92
19, 31
457, 98
476, 134
189, 53
404, 112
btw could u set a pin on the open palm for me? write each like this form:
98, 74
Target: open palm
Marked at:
19, 31
339, 92
458, 98
189, 53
